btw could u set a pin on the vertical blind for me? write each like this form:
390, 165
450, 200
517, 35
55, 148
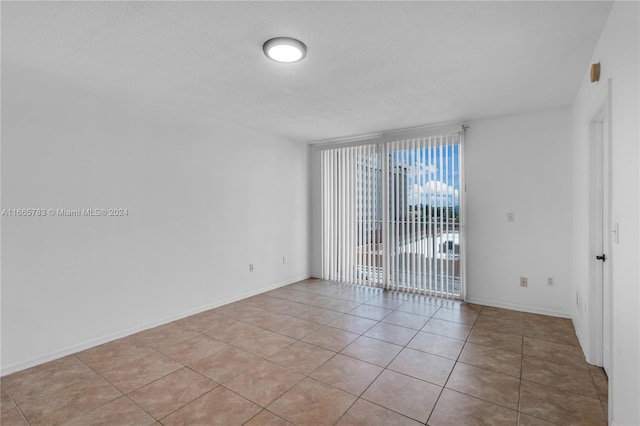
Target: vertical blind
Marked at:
392, 215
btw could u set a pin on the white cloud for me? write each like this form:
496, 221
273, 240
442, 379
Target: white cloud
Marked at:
423, 171
433, 192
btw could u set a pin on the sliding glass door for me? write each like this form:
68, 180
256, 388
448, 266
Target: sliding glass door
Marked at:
392, 215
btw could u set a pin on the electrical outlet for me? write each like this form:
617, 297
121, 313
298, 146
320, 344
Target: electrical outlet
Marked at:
283, 260
251, 267
524, 282
550, 282
511, 217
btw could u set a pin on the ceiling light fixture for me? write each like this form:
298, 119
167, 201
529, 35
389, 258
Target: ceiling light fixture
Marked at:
284, 49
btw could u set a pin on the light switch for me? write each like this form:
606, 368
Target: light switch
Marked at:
511, 217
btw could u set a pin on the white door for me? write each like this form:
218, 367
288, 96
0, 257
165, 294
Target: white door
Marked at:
601, 240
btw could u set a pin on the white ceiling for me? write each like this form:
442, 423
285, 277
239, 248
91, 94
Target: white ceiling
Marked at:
371, 66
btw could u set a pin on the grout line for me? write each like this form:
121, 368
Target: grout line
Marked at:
444, 386
16, 405
521, 371
122, 394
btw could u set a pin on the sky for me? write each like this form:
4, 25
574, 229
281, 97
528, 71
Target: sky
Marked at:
434, 175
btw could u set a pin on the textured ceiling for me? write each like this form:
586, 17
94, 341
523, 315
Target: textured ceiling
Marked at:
371, 66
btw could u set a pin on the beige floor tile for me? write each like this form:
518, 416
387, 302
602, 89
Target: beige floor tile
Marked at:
372, 312
265, 343
437, 345
165, 335
237, 310
170, 393
506, 326
330, 338
235, 332
554, 352
140, 371
264, 382
59, 406
352, 323
391, 333
527, 420
218, 407
465, 317
347, 374
419, 308
385, 302
495, 339
403, 394
485, 384
194, 349
319, 315
497, 360
295, 328
4, 395
601, 382
597, 371
571, 378
340, 305
447, 329
36, 382
537, 320
119, 412
205, 322
456, 409
316, 300
361, 297
489, 311
267, 418
264, 319
302, 357
423, 366
312, 403
364, 413
405, 319
225, 364
372, 350
552, 334
9, 413
290, 308
263, 301
560, 407
114, 354
11, 416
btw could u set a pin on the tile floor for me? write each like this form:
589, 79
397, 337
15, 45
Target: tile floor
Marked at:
316, 353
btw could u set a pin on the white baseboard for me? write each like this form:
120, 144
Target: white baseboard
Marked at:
516, 307
129, 331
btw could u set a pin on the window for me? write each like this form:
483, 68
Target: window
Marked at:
392, 214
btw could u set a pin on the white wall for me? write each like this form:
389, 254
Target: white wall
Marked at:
520, 164
618, 53
205, 199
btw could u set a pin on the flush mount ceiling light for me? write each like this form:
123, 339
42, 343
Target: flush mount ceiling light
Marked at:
284, 49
